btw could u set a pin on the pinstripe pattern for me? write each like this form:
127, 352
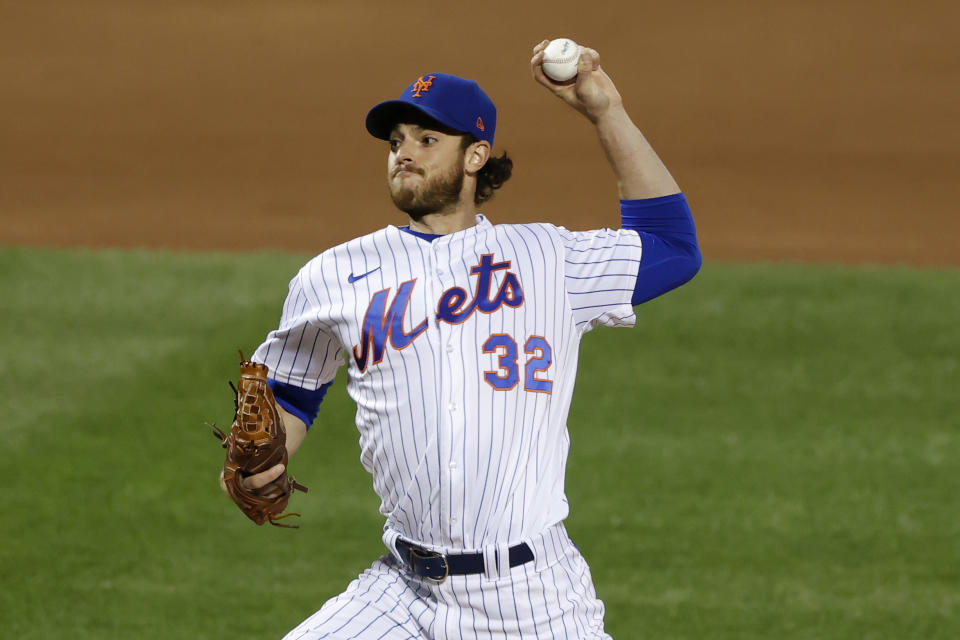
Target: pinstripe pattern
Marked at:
462, 416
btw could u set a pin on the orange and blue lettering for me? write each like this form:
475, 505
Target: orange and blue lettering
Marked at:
381, 324
451, 308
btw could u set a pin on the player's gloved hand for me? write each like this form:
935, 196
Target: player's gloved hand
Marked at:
258, 483
254, 472
591, 91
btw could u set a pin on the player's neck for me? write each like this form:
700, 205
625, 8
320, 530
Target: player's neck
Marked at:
460, 217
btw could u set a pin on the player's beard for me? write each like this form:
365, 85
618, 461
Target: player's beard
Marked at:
431, 195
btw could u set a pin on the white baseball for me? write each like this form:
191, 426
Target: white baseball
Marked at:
560, 59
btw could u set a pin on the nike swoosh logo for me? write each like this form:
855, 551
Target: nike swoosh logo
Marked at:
352, 278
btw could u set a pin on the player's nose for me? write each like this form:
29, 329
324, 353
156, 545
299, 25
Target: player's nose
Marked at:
403, 152
403, 160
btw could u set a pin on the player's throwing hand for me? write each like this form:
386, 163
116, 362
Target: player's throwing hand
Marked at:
591, 91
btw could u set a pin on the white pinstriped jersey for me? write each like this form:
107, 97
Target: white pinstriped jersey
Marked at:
462, 357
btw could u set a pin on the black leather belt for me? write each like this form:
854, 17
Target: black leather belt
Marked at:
436, 566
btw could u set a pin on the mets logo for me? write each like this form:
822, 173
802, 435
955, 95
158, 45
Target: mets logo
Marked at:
422, 85
383, 322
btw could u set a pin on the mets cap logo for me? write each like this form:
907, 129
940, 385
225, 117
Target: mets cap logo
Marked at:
422, 84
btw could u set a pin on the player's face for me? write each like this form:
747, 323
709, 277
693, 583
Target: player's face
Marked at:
424, 170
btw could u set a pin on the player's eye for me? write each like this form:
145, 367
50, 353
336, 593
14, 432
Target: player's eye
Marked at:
394, 144
429, 140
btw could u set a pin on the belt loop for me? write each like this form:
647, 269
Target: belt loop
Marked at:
541, 560
496, 561
491, 568
390, 540
503, 560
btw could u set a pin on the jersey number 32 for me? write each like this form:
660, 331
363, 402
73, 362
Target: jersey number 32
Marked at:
539, 358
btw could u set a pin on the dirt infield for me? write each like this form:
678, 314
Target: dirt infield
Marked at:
807, 131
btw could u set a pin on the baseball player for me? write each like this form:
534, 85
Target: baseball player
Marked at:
460, 338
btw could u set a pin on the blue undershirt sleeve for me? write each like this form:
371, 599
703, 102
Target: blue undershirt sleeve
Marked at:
300, 402
671, 255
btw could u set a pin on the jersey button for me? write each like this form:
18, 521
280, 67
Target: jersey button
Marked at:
449, 348
452, 407
453, 464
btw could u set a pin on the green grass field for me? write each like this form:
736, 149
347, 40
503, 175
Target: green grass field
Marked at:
772, 453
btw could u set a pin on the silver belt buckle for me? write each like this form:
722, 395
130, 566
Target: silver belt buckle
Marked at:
423, 554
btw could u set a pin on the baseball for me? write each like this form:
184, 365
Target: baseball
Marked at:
560, 59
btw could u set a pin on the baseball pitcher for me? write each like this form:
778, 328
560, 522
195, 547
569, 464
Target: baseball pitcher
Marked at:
460, 338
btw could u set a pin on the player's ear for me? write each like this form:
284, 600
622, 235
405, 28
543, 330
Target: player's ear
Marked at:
476, 156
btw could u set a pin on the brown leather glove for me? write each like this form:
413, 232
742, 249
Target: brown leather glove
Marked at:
256, 442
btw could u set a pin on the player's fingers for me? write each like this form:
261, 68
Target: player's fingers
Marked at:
270, 493
542, 78
223, 483
536, 60
263, 478
536, 63
589, 60
536, 69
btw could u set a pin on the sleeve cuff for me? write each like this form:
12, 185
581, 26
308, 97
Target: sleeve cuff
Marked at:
303, 403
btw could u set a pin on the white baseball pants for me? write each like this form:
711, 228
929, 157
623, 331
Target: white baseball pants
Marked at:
551, 597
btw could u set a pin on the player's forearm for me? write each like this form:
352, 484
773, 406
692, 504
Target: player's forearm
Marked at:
295, 428
639, 171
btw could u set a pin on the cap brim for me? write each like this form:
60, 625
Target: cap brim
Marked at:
383, 117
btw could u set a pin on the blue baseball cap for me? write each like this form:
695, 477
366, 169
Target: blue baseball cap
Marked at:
455, 102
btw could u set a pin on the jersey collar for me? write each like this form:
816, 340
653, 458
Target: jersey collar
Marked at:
482, 225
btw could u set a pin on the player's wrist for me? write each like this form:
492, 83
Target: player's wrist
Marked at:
611, 115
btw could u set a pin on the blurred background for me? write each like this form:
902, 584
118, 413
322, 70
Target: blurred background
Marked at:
800, 131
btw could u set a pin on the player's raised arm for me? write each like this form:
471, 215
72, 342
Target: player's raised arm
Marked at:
651, 203
639, 171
